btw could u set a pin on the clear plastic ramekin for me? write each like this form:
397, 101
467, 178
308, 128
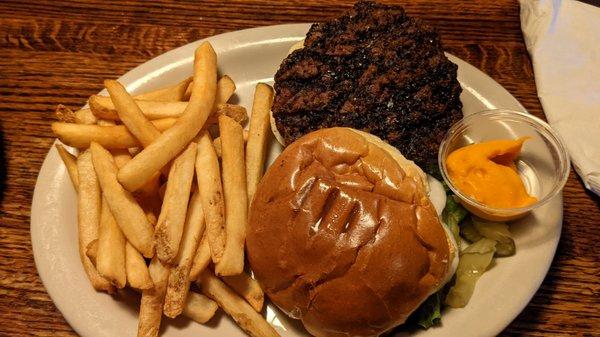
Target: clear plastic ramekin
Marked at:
543, 164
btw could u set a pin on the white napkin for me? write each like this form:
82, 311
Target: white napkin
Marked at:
563, 39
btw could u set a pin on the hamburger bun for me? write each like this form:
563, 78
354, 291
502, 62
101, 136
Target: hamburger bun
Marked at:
343, 236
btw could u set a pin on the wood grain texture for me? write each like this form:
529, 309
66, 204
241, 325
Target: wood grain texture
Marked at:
58, 51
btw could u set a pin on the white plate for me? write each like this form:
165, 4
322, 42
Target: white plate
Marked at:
250, 56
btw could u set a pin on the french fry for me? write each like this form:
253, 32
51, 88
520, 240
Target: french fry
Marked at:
121, 157
171, 93
237, 112
148, 196
70, 162
133, 118
133, 151
88, 218
110, 137
151, 217
235, 195
129, 215
151, 305
260, 126
110, 257
242, 313
82, 116
130, 114
225, 89
85, 116
201, 259
217, 143
199, 307
171, 220
171, 142
211, 192
247, 287
103, 107
179, 280
105, 122
91, 251
138, 276
150, 189
64, 114
161, 191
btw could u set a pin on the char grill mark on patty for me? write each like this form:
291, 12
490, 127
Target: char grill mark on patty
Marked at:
377, 70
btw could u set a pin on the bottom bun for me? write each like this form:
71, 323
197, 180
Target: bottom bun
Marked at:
343, 236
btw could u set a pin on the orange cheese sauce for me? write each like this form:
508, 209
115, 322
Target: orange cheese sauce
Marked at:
487, 172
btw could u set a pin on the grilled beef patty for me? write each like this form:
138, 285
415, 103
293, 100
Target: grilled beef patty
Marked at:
374, 69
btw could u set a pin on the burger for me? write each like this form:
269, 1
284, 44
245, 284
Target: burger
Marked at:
342, 235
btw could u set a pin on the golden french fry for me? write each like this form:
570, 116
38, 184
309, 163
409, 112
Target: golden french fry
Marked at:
217, 143
171, 142
147, 195
237, 112
110, 257
121, 157
188, 92
260, 126
85, 116
64, 114
225, 89
211, 192
130, 114
171, 93
161, 191
129, 215
151, 217
235, 195
151, 304
70, 162
133, 151
199, 307
91, 251
103, 107
248, 288
138, 276
150, 189
88, 218
110, 137
242, 313
179, 280
82, 116
106, 122
171, 220
201, 259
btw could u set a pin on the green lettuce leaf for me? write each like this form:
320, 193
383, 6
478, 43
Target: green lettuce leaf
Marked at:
429, 313
452, 215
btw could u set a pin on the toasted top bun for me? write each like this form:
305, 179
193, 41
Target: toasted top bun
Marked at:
341, 237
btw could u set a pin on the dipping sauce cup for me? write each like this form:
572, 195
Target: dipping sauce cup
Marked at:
543, 164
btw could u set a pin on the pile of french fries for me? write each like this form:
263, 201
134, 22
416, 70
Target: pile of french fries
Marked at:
143, 220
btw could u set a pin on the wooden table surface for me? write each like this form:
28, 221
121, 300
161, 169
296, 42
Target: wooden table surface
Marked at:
55, 52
